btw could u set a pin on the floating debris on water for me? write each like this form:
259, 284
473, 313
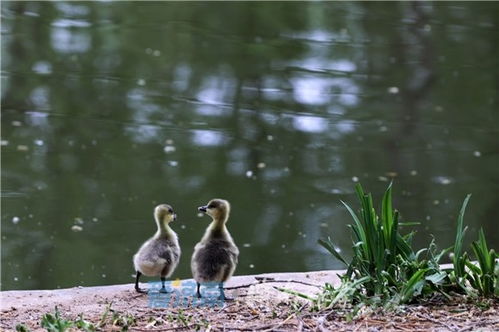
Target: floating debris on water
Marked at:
436, 202
183, 226
270, 138
393, 90
246, 245
156, 53
323, 224
261, 165
16, 123
383, 128
477, 153
200, 214
79, 221
169, 141
252, 266
4, 142
414, 172
442, 180
391, 174
141, 82
76, 228
283, 246
15, 220
169, 149
383, 178
355, 179
94, 219
249, 174
428, 217
22, 148
103, 275
39, 142
173, 163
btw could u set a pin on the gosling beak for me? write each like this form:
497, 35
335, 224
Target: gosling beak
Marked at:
202, 208
174, 217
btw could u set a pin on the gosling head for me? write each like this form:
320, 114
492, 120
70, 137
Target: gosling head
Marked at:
164, 214
217, 209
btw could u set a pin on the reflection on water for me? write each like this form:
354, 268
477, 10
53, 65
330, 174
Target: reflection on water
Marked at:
109, 108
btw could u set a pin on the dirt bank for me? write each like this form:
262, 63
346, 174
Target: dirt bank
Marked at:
257, 306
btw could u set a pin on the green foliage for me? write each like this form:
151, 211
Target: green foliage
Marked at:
55, 323
22, 328
84, 325
125, 321
484, 277
384, 265
460, 258
385, 270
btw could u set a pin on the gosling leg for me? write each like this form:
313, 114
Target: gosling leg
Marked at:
222, 294
198, 294
137, 288
163, 289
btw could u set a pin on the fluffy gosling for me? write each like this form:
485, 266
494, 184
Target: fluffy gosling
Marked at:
159, 255
215, 256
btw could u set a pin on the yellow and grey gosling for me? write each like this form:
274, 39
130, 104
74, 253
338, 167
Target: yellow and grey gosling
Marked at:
159, 255
215, 256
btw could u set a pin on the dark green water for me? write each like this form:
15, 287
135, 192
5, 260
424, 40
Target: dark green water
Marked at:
111, 108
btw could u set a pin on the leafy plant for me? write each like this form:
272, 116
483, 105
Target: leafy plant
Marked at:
125, 321
84, 325
483, 277
55, 323
385, 271
384, 264
460, 258
22, 328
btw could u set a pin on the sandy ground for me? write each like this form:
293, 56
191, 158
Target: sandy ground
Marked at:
257, 306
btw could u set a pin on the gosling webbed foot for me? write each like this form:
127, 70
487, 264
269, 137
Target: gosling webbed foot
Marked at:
226, 299
164, 291
140, 290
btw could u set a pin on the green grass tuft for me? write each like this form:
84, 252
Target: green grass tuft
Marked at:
386, 271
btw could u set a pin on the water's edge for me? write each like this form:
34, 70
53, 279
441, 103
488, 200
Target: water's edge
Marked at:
298, 281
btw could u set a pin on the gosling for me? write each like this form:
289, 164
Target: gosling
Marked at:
159, 255
215, 256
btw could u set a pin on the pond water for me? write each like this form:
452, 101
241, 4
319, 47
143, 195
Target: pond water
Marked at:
110, 108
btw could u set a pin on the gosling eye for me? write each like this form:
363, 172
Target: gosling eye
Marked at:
211, 206
170, 210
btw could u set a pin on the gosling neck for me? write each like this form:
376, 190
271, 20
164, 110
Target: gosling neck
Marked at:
164, 229
218, 223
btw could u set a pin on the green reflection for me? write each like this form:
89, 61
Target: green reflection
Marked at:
109, 108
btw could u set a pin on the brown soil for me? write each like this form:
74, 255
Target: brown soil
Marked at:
258, 306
